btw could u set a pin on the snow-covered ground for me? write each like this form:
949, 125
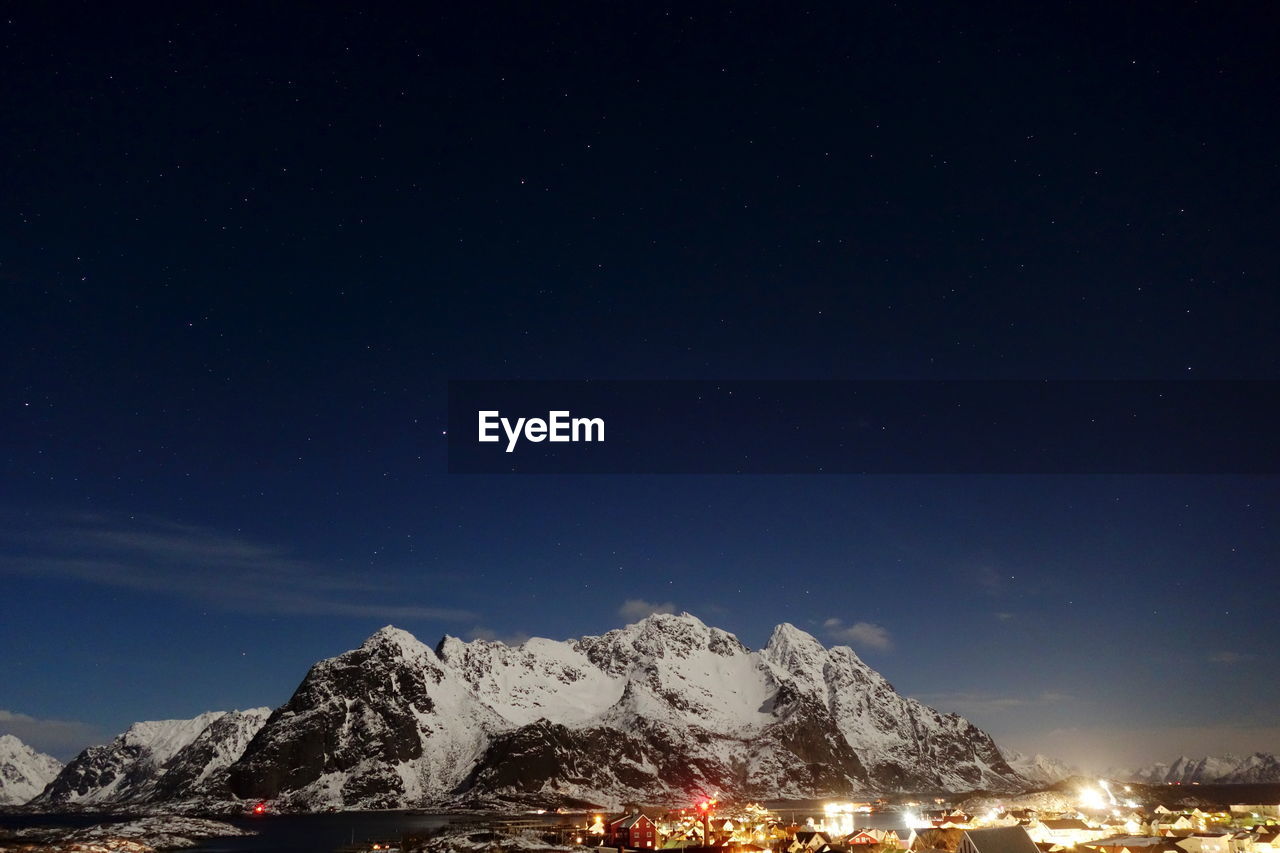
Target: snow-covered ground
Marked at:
482, 842
142, 835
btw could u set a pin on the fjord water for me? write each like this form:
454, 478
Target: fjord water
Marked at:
321, 833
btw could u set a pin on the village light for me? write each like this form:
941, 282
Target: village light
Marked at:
839, 817
1092, 798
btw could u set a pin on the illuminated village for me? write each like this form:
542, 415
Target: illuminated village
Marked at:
1099, 820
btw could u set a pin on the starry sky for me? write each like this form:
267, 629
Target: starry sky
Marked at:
244, 250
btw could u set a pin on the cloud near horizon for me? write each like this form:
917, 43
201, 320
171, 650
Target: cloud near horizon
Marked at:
634, 609
157, 555
1101, 749
982, 704
1229, 658
488, 635
860, 635
63, 739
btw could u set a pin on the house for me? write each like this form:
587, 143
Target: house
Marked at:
1206, 842
1255, 810
1066, 832
809, 841
899, 839
636, 831
1266, 839
861, 838
997, 839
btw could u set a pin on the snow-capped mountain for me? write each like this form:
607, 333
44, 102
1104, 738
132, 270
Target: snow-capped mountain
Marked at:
1039, 769
651, 711
23, 771
1258, 767
156, 761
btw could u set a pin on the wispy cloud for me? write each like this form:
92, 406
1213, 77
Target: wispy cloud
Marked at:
638, 608
860, 635
991, 581
985, 704
1230, 658
60, 738
480, 632
232, 572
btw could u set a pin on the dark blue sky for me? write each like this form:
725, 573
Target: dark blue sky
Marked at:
242, 252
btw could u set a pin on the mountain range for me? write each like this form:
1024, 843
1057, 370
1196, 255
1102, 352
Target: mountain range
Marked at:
657, 711
1225, 769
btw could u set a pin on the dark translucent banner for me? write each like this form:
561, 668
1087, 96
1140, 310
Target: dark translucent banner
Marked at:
863, 427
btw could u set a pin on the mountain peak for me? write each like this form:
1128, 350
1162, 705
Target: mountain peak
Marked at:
389, 636
683, 617
788, 635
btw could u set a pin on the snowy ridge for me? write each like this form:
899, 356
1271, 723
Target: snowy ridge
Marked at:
24, 773
1040, 769
539, 678
1228, 769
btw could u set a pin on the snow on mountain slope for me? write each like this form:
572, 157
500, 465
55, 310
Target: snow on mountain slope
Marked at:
698, 713
24, 773
166, 738
1229, 769
903, 743
795, 719
199, 770
682, 672
1040, 769
126, 768
539, 678
161, 760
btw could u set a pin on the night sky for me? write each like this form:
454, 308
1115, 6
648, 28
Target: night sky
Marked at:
243, 251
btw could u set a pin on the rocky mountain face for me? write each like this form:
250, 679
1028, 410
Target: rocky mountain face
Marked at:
157, 761
1226, 769
1039, 769
382, 726
652, 712
24, 773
